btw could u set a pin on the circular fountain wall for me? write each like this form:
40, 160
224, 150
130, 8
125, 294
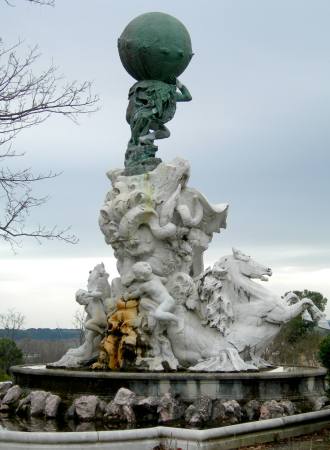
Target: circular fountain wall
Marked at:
292, 383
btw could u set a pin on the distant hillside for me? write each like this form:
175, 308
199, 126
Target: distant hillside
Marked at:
43, 334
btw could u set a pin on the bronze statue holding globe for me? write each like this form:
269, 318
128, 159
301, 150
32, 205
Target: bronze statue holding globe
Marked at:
155, 48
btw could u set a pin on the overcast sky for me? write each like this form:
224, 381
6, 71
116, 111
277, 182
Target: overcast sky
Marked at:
256, 134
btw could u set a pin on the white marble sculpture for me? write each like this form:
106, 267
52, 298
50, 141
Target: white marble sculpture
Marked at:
156, 218
218, 319
246, 313
146, 284
97, 302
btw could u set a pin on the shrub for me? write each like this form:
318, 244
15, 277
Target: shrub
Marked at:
318, 299
10, 355
324, 353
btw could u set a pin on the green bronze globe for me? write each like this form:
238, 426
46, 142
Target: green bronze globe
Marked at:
155, 46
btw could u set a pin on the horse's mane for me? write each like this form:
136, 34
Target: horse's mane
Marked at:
232, 288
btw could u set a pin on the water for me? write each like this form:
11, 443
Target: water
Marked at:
34, 424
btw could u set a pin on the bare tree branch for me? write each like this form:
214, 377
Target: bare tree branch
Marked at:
78, 323
11, 322
38, 2
28, 99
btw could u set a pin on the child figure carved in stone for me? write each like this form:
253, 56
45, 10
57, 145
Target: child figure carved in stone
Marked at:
152, 287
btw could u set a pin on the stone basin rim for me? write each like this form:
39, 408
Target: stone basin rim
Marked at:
267, 374
159, 431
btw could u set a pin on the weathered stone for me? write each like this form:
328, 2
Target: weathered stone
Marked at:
101, 408
12, 395
199, 412
23, 408
120, 413
288, 407
271, 410
4, 387
70, 412
121, 407
252, 410
112, 412
148, 402
170, 408
226, 412
319, 402
124, 397
128, 414
85, 407
51, 406
190, 412
204, 407
38, 403
4, 409
146, 409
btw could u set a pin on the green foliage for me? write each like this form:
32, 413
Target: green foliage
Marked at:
4, 376
43, 334
10, 355
301, 352
324, 352
296, 329
318, 299
298, 342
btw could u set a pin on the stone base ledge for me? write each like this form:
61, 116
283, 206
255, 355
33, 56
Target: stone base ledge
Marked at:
230, 437
295, 384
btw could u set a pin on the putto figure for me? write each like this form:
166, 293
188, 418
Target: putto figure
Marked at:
97, 301
151, 286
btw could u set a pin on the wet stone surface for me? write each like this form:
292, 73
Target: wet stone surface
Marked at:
43, 411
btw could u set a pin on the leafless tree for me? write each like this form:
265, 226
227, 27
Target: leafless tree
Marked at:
39, 2
28, 99
78, 323
44, 351
11, 321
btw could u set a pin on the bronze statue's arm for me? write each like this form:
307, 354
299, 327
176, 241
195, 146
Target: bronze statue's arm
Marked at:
184, 95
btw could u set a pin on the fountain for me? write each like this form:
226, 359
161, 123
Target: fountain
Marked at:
167, 326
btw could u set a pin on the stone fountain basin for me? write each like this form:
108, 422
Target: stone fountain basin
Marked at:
229, 437
291, 383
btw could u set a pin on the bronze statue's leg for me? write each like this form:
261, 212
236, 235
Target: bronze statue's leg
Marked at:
160, 132
141, 125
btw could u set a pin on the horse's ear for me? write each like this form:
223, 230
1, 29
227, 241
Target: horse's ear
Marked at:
236, 253
240, 255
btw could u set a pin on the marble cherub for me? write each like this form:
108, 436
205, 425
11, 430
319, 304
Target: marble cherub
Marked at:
146, 284
97, 301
